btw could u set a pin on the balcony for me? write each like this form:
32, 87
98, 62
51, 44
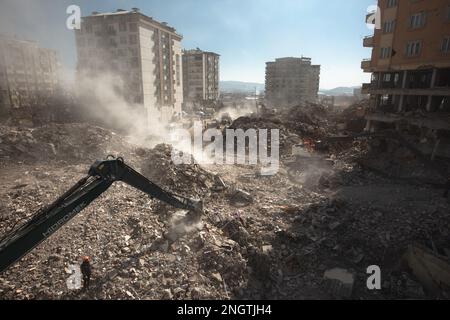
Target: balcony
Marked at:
366, 88
368, 42
366, 65
371, 17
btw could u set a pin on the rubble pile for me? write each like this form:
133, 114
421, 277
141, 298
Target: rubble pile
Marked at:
352, 119
188, 179
123, 232
289, 235
70, 142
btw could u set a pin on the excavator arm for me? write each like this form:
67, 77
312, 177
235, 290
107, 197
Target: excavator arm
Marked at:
102, 174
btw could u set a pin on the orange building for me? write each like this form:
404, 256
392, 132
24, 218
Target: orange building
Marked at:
410, 66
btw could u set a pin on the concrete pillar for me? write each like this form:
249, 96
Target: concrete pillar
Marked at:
430, 98
405, 76
400, 103
369, 126
435, 149
433, 78
380, 80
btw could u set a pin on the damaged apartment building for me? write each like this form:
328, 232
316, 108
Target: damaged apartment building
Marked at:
291, 82
29, 78
410, 66
200, 76
144, 53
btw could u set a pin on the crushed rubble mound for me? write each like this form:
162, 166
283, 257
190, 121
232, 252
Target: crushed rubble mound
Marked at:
190, 179
124, 233
260, 237
70, 142
296, 125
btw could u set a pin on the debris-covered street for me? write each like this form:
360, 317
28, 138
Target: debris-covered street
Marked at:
261, 237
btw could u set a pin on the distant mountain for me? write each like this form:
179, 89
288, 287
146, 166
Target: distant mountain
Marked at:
339, 91
239, 86
249, 87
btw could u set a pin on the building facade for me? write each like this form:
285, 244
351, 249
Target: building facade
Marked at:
145, 53
291, 82
200, 75
410, 67
29, 74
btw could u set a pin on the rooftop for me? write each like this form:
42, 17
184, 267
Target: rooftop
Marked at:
136, 11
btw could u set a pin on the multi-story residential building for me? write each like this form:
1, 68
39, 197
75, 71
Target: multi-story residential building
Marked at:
291, 82
29, 75
145, 53
410, 67
200, 75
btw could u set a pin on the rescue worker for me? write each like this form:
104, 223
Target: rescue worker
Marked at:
86, 271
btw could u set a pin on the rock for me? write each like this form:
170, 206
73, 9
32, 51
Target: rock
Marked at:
334, 225
171, 257
196, 293
267, 249
339, 282
160, 244
241, 198
217, 277
167, 294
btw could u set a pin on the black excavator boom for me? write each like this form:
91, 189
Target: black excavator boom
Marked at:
102, 174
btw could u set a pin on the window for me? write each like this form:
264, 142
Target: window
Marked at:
413, 48
389, 26
391, 3
417, 20
133, 52
134, 62
133, 27
122, 26
133, 39
385, 53
111, 29
88, 28
123, 39
445, 46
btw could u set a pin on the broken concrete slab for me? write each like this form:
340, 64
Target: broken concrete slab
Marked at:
339, 282
431, 269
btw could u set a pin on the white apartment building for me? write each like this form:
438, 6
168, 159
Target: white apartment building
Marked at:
291, 82
145, 53
29, 74
200, 75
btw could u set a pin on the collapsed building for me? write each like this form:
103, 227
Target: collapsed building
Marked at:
291, 81
144, 53
29, 77
410, 66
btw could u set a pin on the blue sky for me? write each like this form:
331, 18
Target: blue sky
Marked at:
246, 33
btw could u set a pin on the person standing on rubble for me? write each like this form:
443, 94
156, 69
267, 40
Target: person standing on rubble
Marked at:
86, 271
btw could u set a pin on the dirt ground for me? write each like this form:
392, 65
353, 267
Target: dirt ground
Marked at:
276, 243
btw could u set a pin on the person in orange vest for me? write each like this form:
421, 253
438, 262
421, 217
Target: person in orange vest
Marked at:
86, 271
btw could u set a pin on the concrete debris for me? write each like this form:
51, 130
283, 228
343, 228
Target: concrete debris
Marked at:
240, 198
431, 269
261, 237
339, 282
